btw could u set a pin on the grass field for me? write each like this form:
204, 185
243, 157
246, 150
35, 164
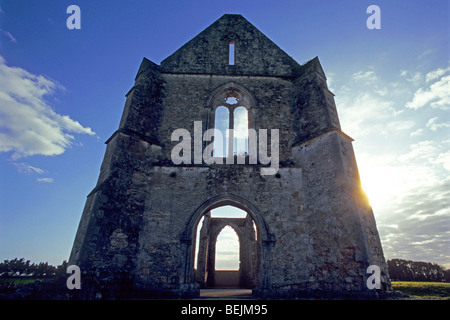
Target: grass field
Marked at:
9, 285
18, 281
416, 290
423, 290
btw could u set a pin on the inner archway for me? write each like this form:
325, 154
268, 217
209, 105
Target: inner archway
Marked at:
192, 273
226, 249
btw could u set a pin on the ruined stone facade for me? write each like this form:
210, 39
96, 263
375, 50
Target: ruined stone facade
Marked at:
315, 230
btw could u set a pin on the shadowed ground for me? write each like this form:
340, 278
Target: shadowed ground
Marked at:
226, 293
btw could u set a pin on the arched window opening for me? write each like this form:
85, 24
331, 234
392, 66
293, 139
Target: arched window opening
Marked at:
221, 136
231, 54
231, 121
227, 250
240, 145
219, 212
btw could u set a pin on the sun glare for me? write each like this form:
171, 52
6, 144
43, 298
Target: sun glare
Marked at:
382, 184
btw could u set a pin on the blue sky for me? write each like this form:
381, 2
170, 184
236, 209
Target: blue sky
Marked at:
62, 94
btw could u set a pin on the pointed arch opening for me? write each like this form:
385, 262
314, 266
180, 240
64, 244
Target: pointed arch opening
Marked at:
232, 115
227, 249
195, 270
240, 127
221, 137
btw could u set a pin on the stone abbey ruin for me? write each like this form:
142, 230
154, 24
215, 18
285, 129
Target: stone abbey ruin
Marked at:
309, 229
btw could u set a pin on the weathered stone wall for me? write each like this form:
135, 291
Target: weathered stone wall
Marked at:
208, 52
316, 231
187, 101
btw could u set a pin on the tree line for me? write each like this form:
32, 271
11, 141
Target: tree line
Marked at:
399, 270
408, 270
24, 268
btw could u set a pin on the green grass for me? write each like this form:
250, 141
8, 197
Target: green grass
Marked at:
19, 280
419, 290
9, 285
423, 290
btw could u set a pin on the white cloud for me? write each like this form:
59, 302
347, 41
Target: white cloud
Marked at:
422, 218
418, 132
434, 126
437, 95
368, 76
422, 149
26, 168
382, 91
425, 53
372, 106
444, 159
29, 125
435, 74
399, 125
330, 80
366, 114
45, 180
411, 77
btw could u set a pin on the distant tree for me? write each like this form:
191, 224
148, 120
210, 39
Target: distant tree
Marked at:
17, 267
447, 275
61, 269
407, 270
21, 267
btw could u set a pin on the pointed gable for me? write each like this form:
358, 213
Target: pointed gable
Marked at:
252, 53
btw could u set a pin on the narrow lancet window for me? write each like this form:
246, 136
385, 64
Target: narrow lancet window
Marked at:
240, 146
231, 54
221, 138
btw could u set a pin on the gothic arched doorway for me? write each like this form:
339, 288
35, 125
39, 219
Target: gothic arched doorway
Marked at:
255, 263
226, 249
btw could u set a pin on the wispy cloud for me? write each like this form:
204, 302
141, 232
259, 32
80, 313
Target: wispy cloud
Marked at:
436, 74
8, 35
418, 132
26, 168
434, 125
413, 77
437, 94
45, 180
422, 225
28, 125
425, 53
366, 76
370, 112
